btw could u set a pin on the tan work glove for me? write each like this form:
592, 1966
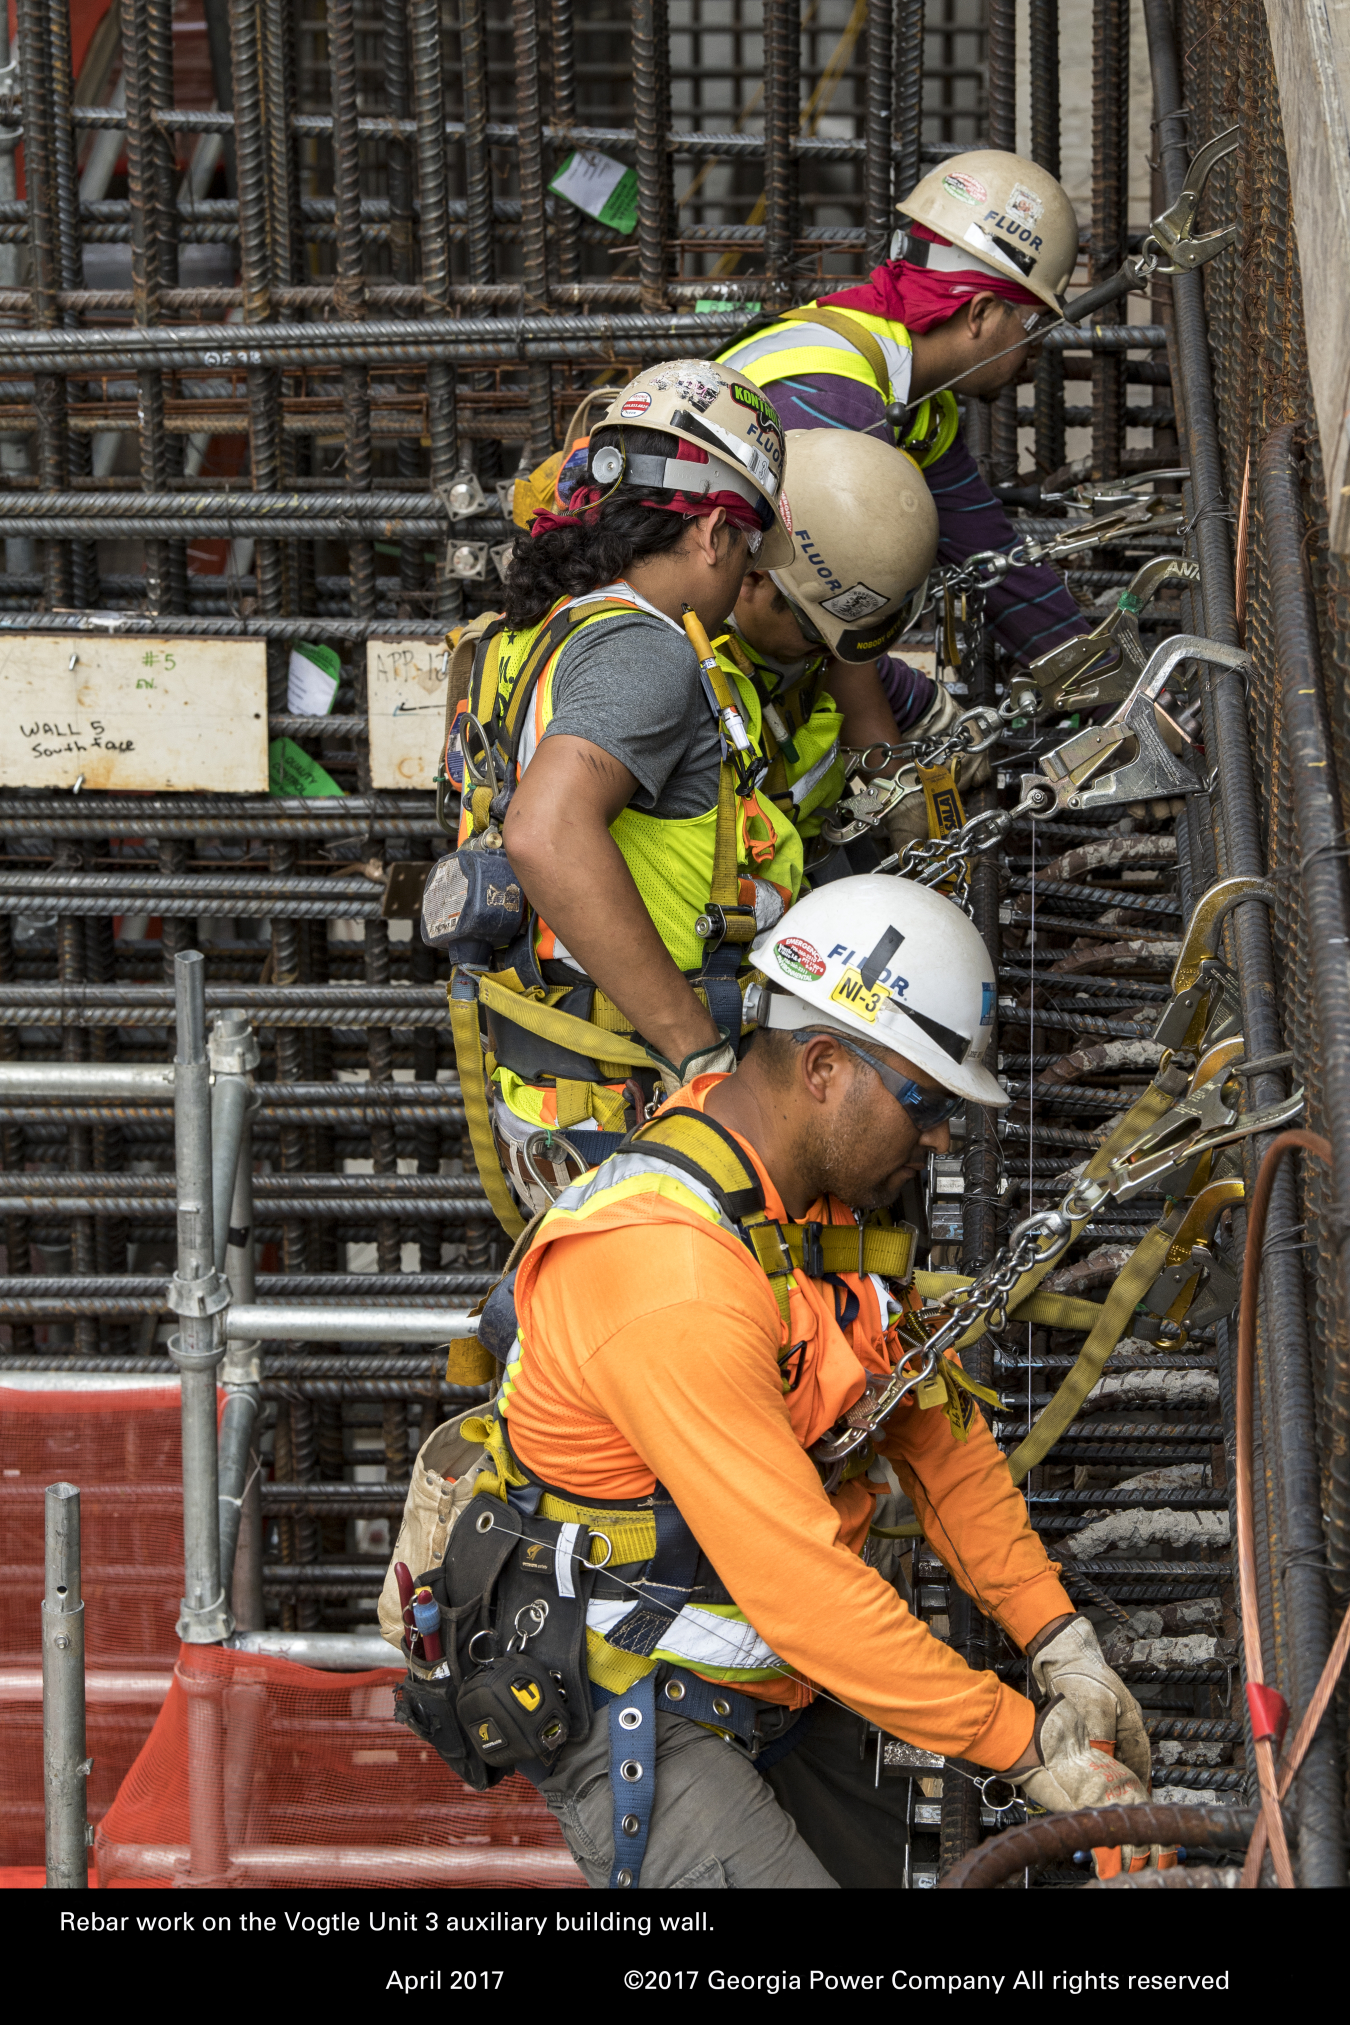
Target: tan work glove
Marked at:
1071, 1664
717, 1059
1073, 1773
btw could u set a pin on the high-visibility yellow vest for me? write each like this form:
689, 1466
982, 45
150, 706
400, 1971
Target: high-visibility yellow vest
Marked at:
678, 865
853, 345
800, 728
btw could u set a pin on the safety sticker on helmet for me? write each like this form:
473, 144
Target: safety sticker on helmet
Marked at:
969, 189
698, 389
785, 510
858, 602
636, 405
1024, 204
988, 997
798, 958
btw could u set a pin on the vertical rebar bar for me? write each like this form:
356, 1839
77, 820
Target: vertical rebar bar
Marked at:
908, 95
255, 275
782, 113
398, 101
349, 293
44, 240
533, 221
147, 252
1326, 888
1110, 185
477, 162
1001, 98
562, 52
83, 554
879, 87
65, 1766
1043, 43
651, 121
434, 219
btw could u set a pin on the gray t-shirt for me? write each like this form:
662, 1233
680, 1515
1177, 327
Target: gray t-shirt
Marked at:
631, 686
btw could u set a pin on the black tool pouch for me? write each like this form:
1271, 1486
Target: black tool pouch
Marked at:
515, 1685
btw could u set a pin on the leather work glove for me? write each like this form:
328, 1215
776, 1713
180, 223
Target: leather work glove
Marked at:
1073, 1773
717, 1059
1071, 1664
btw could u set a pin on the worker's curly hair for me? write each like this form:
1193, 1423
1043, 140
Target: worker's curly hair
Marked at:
601, 545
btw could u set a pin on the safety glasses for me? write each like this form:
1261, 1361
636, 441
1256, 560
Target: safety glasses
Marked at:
923, 1108
810, 633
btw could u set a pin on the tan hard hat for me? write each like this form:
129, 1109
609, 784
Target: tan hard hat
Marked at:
727, 417
1003, 212
864, 537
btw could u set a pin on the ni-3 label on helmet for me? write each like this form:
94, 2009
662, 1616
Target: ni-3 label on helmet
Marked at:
966, 189
863, 999
798, 958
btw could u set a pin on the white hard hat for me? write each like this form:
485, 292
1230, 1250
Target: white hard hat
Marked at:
892, 961
999, 211
728, 420
865, 532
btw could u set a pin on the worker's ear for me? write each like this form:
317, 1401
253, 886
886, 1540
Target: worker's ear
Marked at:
823, 1068
982, 311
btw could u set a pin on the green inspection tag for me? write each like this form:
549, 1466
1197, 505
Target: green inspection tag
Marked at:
291, 771
708, 305
312, 680
601, 187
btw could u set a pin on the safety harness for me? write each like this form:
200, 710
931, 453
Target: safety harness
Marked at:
515, 1015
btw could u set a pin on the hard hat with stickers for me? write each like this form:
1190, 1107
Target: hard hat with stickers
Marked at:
891, 961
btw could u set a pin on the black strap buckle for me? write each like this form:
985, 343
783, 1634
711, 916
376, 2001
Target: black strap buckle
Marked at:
813, 1252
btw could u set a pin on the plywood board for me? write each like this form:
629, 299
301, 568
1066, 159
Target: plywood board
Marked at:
1310, 43
405, 691
135, 714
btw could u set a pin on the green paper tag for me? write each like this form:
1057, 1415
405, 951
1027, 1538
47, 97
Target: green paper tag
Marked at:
291, 771
708, 305
312, 680
601, 187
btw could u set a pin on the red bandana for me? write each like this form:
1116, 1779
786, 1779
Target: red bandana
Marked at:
919, 297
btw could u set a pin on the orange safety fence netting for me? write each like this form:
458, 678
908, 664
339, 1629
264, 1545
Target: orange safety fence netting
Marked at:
254, 1770
122, 1449
262, 1773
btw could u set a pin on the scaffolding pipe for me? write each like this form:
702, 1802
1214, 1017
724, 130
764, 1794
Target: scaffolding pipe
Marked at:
65, 1768
20, 1081
198, 1296
286, 1321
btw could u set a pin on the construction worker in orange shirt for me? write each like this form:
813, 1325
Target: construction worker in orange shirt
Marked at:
653, 1601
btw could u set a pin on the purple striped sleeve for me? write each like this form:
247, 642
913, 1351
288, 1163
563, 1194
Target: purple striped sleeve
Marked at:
1030, 611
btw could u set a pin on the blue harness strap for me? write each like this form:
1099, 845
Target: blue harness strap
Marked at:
632, 1778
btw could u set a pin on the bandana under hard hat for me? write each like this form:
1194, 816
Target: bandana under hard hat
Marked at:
919, 297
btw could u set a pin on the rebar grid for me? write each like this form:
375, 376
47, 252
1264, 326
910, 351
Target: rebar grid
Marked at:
411, 303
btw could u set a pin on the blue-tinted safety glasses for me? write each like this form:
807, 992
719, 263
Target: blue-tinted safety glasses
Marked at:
923, 1108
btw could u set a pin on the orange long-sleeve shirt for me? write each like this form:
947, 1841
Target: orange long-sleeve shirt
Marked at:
651, 1345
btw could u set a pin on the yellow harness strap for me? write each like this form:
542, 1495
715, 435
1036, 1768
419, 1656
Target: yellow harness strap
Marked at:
581, 1037
1128, 1131
887, 1252
1133, 1281
854, 334
474, 1097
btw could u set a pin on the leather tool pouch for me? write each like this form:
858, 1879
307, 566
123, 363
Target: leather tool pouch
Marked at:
514, 1686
